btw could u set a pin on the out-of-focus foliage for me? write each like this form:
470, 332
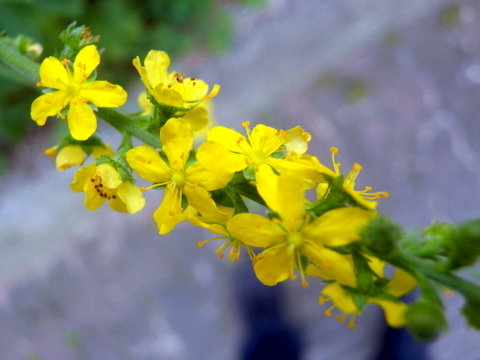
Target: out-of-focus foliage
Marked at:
128, 28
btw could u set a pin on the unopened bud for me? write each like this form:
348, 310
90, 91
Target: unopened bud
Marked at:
381, 235
465, 245
425, 319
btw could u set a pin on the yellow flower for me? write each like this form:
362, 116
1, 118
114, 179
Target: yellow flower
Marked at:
218, 225
171, 89
193, 182
103, 182
228, 149
75, 155
363, 197
401, 284
292, 236
74, 90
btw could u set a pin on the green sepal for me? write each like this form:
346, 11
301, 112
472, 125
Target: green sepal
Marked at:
249, 172
222, 197
75, 38
280, 153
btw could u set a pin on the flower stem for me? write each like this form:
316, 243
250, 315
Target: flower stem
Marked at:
21, 64
405, 261
124, 123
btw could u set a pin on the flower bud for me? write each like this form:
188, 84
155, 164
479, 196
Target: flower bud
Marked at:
381, 235
425, 319
465, 245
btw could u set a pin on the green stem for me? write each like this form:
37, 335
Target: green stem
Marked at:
124, 123
469, 289
21, 64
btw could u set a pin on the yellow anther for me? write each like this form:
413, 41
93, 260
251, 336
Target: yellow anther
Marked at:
340, 318
305, 283
245, 123
200, 244
357, 167
293, 276
334, 150
321, 300
39, 84
327, 313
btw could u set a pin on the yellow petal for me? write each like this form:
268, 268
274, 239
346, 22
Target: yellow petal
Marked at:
213, 227
82, 122
177, 139
131, 196
402, 283
208, 179
68, 156
197, 117
53, 74
275, 266
215, 156
143, 73
82, 176
103, 94
265, 138
51, 151
110, 176
394, 311
156, 65
146, 162
333, 265
167, 96
267, 186
86, 61
213, 93
49, 104
194, 93
255, 230
341, 298
92, 199
118, 205
297, 140
338, 227
229, 139
200, 199
290, 200
168, 213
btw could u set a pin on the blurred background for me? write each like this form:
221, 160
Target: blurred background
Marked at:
394, 85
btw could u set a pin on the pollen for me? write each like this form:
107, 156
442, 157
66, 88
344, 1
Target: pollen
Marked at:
334, 150
245, 123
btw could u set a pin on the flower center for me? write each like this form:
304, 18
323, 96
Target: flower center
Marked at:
258, 157
178, 178
102, 190
295, 239
72, 89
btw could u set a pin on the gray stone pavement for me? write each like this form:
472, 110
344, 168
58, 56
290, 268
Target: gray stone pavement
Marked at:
100, 285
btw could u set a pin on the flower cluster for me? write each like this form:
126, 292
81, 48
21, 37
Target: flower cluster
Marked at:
313, 215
